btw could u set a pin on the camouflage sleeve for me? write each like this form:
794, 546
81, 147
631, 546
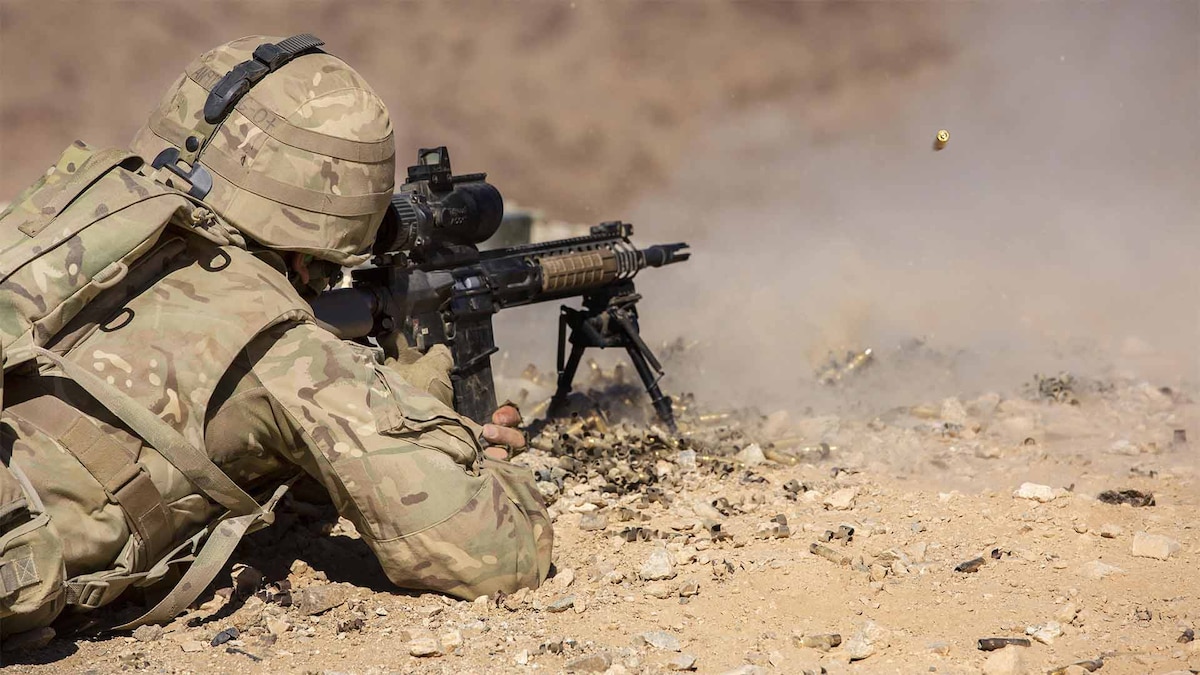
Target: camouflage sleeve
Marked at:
405, 469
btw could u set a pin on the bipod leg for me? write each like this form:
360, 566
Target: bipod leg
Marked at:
662, 404
566, 375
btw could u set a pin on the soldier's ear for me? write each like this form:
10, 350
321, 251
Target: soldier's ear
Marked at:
298, 263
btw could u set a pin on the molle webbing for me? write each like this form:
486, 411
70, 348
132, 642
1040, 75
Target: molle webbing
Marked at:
125, 481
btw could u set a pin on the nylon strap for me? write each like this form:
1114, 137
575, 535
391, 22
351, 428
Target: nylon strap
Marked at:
212, 557
191, 462
125, 481
309, 200
313, 141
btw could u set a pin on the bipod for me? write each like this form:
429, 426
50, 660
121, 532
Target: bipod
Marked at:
608, 319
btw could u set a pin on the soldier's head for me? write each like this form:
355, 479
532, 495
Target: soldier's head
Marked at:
285, 142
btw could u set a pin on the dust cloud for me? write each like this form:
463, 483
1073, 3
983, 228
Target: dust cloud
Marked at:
1057, 230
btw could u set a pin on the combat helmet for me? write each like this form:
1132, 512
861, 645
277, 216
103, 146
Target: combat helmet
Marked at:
284, 141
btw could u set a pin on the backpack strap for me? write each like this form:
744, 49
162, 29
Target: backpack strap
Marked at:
190, 460
244, 515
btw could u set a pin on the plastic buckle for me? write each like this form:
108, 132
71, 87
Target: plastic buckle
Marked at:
198, 177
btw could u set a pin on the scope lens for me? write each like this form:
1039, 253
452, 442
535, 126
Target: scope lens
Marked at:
471, 213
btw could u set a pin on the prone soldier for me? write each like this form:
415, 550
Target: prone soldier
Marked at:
164, 378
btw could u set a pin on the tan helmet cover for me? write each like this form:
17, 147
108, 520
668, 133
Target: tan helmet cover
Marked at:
304, 162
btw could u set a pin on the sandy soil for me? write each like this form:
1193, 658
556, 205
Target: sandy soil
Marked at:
791, 145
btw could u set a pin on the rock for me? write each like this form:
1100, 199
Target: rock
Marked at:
660, 639
561, 605
192, 646
424, 646
593, 521
1066, 613
1111, 531
866, 641
751, 455
1098, 570
522, 657
451, 641
1007, 661
682, 662
277, 626
823, 642
706, 511
246, 580
224, 636
564, 578
1155, 546
1038, 493
592, 663
659, 589
1045, 633
28, 640
747, 669
953, 412
658, 566
689, 589
148, 633
318, 599
841, 500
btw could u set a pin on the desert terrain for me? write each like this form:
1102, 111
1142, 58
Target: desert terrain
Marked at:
1017, 459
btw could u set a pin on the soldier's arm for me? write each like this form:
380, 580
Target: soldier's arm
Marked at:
405, 469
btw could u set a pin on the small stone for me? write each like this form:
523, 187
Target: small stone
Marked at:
593, 521
660, 639
592, 663
1155, 546
192, 646
224, 636
658, 566
424, 646
953, 412
522, 657
1111, 531
1038, 493
451, 641
580, 606
351, 625
148, 633
1046, 633
751, 455
1066, 613
841, 500
319, 599
1008, 661
561, 605
866, 641
689, 589
564, 578
659, 589
277, 627
29, 640
682, 662
1099, 570
822, 642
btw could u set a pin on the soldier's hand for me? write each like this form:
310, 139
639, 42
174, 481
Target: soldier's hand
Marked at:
429, 372
503, 433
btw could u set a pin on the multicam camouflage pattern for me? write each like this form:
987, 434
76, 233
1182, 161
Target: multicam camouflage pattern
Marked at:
402, 466
216, 343
305, 162
71, 233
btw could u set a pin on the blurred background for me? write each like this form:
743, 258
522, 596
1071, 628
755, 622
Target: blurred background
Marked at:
791, 143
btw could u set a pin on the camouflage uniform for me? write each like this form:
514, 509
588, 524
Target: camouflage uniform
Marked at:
215, 342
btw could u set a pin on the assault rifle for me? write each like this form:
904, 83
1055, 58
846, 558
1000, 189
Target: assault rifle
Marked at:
429, 281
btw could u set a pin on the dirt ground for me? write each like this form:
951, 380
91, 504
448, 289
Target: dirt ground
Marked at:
789, 143
744, 595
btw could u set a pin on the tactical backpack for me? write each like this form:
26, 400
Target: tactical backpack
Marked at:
63, 241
